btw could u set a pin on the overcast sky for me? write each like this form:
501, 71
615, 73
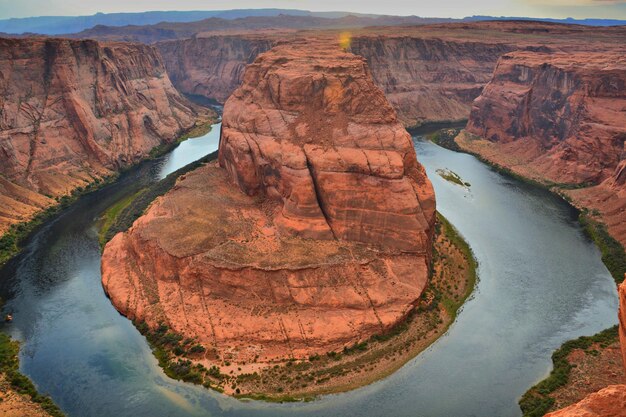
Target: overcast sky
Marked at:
438, 8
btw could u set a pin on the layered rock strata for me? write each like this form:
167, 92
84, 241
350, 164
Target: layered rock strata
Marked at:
314, 233
608, 402
73, 111
559, 119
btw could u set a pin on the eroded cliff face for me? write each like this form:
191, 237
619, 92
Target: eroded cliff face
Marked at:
328, 146
429, 80
608, 402
314, 233
211, 66
74, 111
562, 115
559, 119
425, 80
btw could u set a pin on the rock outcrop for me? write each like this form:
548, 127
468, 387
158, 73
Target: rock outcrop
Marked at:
313, 234
426, 80
429, 73
211, 66
559, 119
75, 111
608, 402
429, 80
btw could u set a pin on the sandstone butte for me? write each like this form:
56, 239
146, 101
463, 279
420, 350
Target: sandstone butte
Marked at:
313, 233
75, 111
559, 119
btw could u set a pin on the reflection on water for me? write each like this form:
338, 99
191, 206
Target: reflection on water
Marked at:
541, 282
188, 151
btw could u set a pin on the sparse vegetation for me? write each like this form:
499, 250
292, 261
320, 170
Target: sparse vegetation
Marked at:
613, 254
12, 242
9, 367
453, 276
537, 401
445, 138
452, 177
121, 215
14, 239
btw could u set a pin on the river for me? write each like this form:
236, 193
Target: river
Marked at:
541, 282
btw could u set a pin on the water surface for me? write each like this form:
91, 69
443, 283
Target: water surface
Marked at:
541, 282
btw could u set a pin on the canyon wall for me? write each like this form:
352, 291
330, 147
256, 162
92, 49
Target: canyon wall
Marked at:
426, 80
75, 111
211, 66
559, 119
429, 80
313, 233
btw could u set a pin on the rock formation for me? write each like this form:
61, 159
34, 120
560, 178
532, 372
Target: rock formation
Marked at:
211, 66
74, 111
429, 73
426, 80
429, 80
559, 119
608, 402
313, 234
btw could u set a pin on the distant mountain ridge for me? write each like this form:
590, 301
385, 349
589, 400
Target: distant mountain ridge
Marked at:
57, 25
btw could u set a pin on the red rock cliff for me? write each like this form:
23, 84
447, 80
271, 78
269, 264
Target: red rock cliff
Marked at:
324, 240
559, 119
429, 80
316, 135
73, 111
426, 80
213, 65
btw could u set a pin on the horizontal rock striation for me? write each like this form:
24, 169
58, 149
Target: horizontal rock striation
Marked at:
314, 234
74, 111
559, 119
317, 135
429, 80
426, 80
211, 66
562, 114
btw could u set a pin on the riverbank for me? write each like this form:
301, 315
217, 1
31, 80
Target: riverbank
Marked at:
580, 367
12, 242
613, 252
18, 395
453, 278
583, 365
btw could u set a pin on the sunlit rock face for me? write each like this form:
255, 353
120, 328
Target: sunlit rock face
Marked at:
559, 119
313, 232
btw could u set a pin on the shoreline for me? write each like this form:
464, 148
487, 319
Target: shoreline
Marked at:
537, 400
17, 393
613, 252
453, 280
18, 234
